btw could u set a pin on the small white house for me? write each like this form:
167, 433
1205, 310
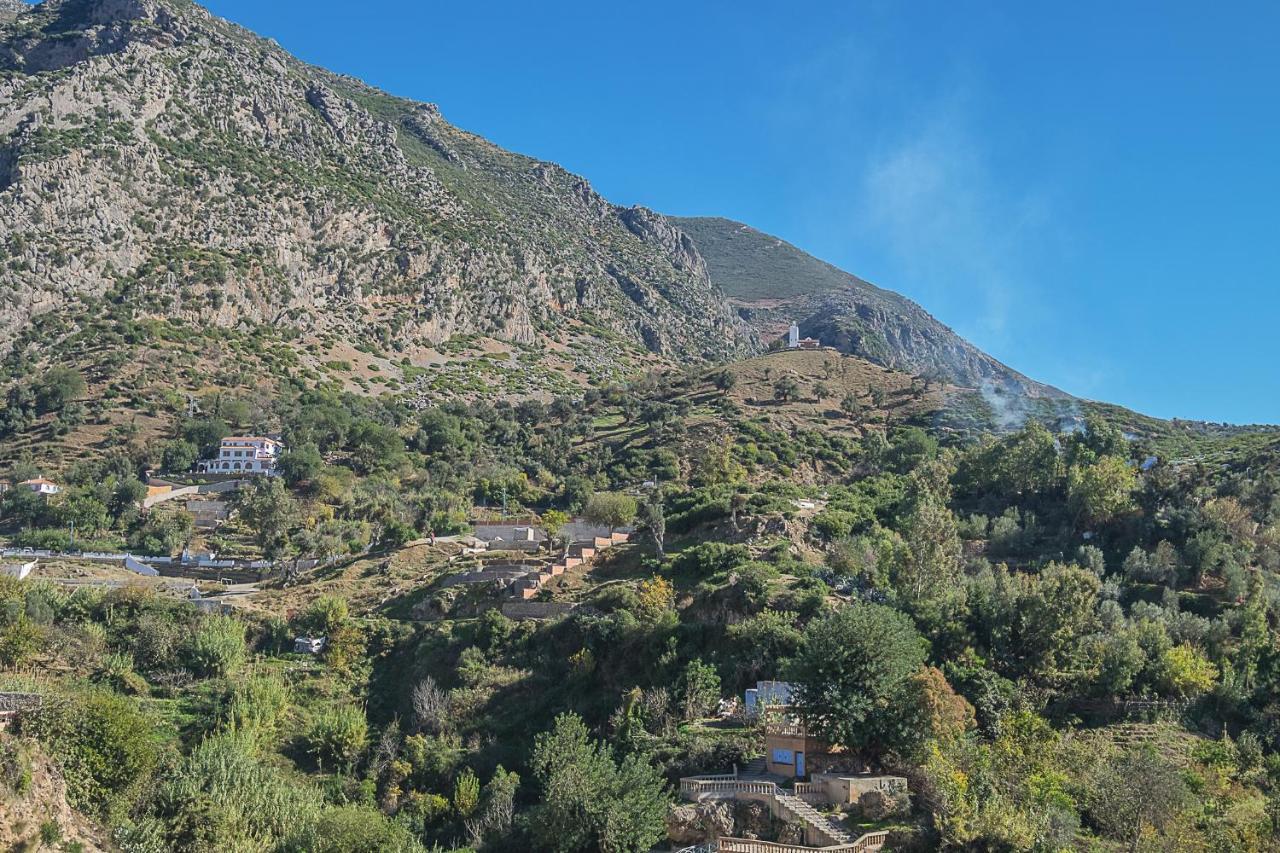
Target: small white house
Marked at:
41, 486
308, 645
794, 341
244, 454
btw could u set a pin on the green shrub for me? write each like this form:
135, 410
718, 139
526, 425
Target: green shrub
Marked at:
338, 736
216, 648
257, 704
50, 832
357, 829
103, 743
222, 797
324, 615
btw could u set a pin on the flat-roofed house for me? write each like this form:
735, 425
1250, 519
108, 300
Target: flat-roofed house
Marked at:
244, 454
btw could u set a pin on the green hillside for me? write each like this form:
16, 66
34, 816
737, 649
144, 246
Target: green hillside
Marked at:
749, 264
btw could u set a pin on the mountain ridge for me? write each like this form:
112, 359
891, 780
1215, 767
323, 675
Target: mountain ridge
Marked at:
303, 198
772, 282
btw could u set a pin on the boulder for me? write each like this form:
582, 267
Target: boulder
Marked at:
696, 823
752, 819
878, 805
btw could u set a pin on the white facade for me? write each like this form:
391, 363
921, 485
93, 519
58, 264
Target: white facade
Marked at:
41, 486
244, 455
766, 693
793, 337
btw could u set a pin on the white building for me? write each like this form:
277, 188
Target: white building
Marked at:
794, 341
41, 486
244, 454
766, 693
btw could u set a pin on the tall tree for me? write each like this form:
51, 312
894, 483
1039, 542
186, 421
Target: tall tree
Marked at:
1136, 793
929, 571
611, 509
655, 518
1100, 491
272, 513
853, 676
588, 801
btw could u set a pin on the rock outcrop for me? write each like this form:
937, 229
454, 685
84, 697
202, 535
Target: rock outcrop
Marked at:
773, 284
153, 154
33, 800
698, 823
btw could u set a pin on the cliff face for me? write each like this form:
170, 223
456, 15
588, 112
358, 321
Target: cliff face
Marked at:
39, 799
773, 283
154, 154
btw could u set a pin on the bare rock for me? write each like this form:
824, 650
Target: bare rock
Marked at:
696, 823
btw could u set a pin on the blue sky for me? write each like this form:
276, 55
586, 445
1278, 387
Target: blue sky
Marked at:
1088, 191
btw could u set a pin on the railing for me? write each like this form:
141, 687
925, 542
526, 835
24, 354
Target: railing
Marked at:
725, 785
867, 843
696, 787
810, 793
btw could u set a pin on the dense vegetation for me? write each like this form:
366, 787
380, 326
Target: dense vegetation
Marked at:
972, 615
1064, 635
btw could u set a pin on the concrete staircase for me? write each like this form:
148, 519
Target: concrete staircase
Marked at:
819, 831
757, 767
814, 818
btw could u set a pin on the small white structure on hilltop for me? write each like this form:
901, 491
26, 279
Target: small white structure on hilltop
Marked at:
244, 454
794, 341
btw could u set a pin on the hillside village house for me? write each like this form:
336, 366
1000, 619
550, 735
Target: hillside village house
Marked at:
250, 454
41, 486
790, 750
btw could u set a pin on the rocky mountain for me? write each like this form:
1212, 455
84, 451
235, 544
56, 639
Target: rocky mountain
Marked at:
155, 156
10, 9
771, 283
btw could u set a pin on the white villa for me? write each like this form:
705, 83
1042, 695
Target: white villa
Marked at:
244, 454
41, 486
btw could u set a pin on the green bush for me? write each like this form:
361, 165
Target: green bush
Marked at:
103, 743
257, 704
338, 736
216, 648
357, 829
222, 797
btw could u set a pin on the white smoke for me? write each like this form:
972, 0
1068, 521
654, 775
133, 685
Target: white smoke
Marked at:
1008, 411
